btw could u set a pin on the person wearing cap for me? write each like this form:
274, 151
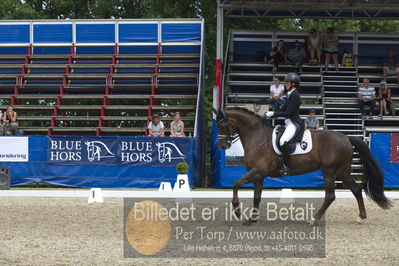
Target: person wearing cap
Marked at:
290, 111
384, 97
311, 122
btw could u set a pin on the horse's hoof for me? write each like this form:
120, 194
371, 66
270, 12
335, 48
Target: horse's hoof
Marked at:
311, 222
359, 220
249, 222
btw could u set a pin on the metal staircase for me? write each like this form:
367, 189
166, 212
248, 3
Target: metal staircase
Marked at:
340, 105
340, 102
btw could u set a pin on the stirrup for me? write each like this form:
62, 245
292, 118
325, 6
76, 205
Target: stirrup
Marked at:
284, 170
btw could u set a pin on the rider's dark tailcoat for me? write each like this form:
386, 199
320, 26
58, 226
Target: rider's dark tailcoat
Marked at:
290, 109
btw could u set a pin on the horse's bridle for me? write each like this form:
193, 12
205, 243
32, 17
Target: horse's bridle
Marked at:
230, 138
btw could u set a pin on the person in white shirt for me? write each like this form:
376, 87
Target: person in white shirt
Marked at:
366, 96
276, 92
314, 46
156, 128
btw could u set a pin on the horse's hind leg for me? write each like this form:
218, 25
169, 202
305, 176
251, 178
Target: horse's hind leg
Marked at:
357, 192
247, 178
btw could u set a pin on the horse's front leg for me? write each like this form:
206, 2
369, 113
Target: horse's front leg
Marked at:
258, 185
251, 176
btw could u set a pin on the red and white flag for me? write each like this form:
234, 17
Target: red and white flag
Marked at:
394, 157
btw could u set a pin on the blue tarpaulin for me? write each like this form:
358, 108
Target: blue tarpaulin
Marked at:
65, 161
101, 32
137, 32
380, 145
14, 33
95, 33
52, 33
181, 32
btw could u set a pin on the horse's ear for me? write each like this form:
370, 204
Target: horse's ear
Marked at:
214, 111
219, 115
224, 115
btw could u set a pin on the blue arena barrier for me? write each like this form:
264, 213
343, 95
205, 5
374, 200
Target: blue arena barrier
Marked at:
382, 145
105, 162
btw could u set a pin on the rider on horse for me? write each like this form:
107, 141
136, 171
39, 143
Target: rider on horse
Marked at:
293, 123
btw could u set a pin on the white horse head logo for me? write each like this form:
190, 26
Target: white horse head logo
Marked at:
165, 150
97, 150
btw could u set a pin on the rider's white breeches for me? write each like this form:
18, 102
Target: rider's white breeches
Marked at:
289, 132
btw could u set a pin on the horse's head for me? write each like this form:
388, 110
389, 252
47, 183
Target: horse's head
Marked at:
90, 147
90, 150
161, 148
226, 130
164, 152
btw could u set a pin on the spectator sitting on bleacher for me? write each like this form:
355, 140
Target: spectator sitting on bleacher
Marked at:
391, 65
156, 128
314, 46
177, 127
331, 48
276, 94
384, 97
278, 55
297, 55
366, 96
10, 124
311, 122
1, 122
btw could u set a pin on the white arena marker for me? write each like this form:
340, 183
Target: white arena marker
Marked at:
96, 195
165, 187
287, 196
182, 184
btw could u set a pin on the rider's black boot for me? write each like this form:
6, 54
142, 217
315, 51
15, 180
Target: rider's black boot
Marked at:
282, 160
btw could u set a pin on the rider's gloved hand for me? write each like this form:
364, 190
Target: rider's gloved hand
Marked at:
269, 114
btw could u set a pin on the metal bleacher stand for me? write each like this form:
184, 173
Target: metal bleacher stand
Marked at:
100, 77
332, 94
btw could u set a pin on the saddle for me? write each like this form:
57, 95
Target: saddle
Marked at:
292, 144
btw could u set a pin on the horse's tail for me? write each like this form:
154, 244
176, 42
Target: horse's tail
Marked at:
373, 177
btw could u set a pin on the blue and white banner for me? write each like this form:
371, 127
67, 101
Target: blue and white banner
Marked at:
14, 149
117, 151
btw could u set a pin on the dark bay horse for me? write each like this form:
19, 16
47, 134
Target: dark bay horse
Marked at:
332, 152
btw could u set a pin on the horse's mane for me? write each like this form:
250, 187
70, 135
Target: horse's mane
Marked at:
264, 119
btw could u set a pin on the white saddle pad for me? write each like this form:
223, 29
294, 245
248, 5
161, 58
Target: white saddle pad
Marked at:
302, 147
